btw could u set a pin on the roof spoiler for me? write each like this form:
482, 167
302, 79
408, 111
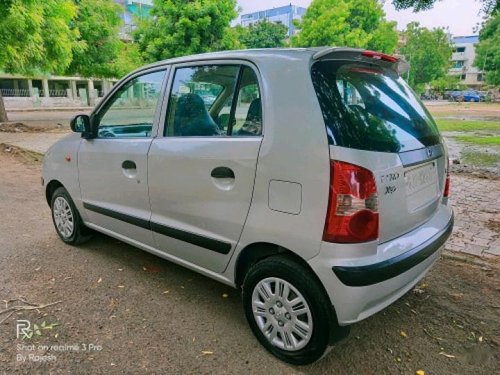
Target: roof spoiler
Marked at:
396, 63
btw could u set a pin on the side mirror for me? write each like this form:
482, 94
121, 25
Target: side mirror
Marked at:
82, 124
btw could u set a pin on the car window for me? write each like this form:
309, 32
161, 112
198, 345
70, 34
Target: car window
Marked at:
131, 110
248, 113
194, 92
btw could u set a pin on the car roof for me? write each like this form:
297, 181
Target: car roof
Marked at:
256, 55
296, 53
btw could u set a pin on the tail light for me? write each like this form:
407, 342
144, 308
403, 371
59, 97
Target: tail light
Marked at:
446, 192
353, 205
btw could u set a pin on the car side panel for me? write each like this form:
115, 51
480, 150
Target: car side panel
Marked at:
294, 150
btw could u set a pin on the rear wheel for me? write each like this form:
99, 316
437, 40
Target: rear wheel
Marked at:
288, 310
67, 221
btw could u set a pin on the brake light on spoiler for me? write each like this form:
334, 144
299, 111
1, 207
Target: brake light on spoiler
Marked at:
380, 56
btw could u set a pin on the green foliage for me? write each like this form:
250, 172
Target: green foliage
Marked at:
98, 22
428, 52
263, 34
489, 6
35, 36
486, 141
352, 23
488, 50
466, 125
128, 59
447, 83
182, 27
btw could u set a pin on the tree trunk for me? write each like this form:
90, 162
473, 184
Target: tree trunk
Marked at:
3, 112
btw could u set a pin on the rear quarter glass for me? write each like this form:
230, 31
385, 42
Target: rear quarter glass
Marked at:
370, 108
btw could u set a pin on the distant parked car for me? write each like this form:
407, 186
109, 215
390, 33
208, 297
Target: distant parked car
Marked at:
471, 96
456, 96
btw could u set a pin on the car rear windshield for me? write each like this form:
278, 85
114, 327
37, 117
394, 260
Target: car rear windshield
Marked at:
370, 108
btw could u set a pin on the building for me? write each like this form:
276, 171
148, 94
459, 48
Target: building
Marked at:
132, 9
464, 54
285, 15
62, 91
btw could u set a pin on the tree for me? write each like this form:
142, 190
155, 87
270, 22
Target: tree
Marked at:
447, 82
488, 50
98, 23
489, 6
263, 34
182, 27
352, 23
428, 52
35, 37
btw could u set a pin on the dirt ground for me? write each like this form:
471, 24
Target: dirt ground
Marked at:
136, 313
486, 111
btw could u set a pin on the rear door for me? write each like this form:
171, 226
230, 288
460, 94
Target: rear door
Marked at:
375, 120
202, 166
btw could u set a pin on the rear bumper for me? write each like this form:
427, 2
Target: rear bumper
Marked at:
363, 280
378, 272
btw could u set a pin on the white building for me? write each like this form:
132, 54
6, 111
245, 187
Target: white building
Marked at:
464, 54
284, 15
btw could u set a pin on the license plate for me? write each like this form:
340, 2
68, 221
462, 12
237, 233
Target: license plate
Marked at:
421, 178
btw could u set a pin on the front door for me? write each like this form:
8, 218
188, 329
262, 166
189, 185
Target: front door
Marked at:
202, 168
113, 168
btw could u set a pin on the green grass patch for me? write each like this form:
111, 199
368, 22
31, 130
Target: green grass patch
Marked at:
446, 125
487, 141
481, 159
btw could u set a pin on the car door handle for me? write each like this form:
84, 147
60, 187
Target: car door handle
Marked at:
222, 172
129, 164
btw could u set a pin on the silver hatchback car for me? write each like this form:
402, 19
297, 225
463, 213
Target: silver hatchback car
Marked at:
313, 179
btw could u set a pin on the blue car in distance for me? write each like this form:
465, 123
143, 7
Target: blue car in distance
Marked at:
471, 96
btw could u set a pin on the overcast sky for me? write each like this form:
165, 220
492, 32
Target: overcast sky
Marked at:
459, 15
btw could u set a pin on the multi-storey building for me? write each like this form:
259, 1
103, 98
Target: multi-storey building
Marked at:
285, 15
464, 54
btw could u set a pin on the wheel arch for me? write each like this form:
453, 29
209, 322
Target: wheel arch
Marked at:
52, 186
258, 251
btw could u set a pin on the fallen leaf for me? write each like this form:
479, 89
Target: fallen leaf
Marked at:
207, 352
225, 295
420, 372
447, 355
403, 334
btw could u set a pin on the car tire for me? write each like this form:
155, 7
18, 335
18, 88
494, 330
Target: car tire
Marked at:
296, 339
66, 218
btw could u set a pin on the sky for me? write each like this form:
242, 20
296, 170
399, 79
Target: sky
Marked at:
461, 16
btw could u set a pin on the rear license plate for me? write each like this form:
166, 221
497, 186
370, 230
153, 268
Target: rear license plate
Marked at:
421, 185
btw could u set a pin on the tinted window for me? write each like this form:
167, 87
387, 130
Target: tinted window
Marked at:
248, 109
195, 91
369, 108
130, 111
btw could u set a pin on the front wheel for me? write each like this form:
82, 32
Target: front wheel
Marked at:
288, 310
67, 221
